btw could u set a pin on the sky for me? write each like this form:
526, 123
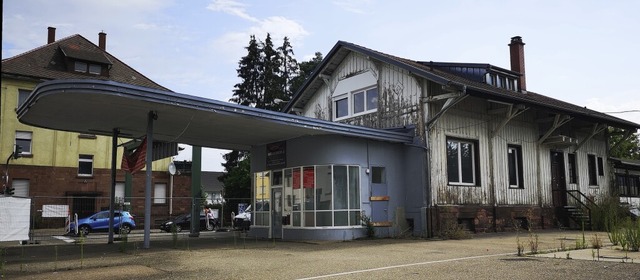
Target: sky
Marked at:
584, 52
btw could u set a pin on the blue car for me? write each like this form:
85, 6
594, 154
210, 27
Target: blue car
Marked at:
122, 223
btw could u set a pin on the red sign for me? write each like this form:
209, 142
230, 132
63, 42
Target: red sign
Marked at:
308, 179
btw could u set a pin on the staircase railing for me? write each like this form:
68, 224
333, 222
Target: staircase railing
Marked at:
578, 197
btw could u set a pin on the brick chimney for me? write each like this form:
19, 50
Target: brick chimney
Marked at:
102, 41
516, 49
51, 36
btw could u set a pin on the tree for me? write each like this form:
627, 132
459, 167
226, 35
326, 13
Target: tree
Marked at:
271, 79
629, 148
306, 68
289, 69
249, 91
267, 74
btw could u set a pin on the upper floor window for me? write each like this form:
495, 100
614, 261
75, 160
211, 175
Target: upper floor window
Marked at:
501, 81
573, 169
85, 165
23, 139
90, 68
356, 102
462, 162
355, 95
22, 96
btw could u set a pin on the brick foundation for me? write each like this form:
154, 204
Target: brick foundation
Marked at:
481, 219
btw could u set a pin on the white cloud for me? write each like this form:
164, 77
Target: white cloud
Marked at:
231, 7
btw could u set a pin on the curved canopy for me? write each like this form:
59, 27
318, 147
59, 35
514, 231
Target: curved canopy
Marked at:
99, 107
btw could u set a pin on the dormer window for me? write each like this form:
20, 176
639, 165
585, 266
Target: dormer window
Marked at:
80, 60
501, 81
83, 67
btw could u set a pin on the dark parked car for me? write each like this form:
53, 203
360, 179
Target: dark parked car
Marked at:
183, 222
122, 222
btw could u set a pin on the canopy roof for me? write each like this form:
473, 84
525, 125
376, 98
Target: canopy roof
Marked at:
99, 107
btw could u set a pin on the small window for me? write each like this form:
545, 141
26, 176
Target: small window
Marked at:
342, 108
85, 165
95, 69
23, 139
378, 175
22, 96
80, 66
119, 193
593, 170
514, 162
573, 169
160, 194
462, 162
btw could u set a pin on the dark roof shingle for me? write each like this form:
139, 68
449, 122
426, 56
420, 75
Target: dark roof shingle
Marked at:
48, 63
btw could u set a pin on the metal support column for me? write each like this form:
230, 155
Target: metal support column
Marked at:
147, 190
112, 195
196, 190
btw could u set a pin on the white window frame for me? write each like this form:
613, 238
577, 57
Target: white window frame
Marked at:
85, 159
23, 94
119, 193
517, 151
350, 96
160, 193
93, 67
459, 159
24, 136
80, 66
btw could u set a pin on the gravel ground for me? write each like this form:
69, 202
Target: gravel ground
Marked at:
230, 256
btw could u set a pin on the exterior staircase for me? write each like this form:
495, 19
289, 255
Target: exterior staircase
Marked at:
581, 217
579, 211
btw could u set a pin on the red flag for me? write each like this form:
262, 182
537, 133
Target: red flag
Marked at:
136, 160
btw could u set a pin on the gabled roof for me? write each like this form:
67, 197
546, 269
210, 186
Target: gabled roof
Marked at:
422, 69
48, 63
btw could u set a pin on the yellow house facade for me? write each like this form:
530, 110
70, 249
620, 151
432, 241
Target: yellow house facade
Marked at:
72, 169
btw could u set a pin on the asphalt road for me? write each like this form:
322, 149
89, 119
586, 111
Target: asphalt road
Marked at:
232, 255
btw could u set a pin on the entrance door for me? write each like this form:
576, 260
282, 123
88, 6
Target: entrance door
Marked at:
558, 180
84, 206
379, 200
276, 213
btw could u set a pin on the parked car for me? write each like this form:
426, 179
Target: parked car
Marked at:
243, 220
123, 222
183, 221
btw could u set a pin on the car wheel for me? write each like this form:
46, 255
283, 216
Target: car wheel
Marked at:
84, 230
178, 228
125, 228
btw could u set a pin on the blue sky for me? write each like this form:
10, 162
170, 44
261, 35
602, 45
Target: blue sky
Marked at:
583, 52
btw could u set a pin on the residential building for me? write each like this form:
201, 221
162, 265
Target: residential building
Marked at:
66, 168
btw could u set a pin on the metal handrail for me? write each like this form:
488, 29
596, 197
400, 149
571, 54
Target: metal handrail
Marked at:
579, 200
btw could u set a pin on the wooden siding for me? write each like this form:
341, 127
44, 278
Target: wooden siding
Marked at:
399, 104
398, 95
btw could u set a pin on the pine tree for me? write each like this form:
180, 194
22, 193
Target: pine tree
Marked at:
289, 69
271, 80
306, 68
249, 91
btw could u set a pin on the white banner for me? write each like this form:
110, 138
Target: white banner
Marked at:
55, 211
15, 217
